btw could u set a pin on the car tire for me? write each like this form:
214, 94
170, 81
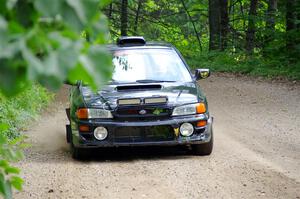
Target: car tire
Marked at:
78, 153
204, 149
68, 133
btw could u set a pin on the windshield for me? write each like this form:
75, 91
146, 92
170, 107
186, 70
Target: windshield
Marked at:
147, 65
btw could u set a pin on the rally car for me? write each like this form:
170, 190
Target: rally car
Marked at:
152, 99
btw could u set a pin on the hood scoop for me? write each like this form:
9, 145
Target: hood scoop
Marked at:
139, 87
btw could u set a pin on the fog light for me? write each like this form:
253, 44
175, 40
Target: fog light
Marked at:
100, 133
186, 129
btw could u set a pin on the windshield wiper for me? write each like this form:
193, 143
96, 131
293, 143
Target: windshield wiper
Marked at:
152, 81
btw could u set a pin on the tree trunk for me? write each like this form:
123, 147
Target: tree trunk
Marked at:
271, 14
137, 16
270, 21
214, 24
224, 23
290, 15
250, 34
290, 24
298, 15
124, 17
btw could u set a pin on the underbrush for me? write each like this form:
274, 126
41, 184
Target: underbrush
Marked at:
16, 112
240, 63
15, 115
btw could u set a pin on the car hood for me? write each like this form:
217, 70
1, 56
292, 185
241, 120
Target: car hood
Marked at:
176, 93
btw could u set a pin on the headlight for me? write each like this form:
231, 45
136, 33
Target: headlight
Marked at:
186, 129
100, 133
189, 109
88, 113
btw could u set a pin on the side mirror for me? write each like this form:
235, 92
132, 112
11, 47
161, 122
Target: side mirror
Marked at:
202, 73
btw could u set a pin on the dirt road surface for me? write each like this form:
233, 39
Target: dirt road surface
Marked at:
256, 154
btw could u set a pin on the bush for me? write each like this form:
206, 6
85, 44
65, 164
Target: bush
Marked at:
251, 65
17, 111
15, 114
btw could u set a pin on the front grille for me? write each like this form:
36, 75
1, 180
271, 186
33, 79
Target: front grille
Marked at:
143, 134
148, 112
142, 113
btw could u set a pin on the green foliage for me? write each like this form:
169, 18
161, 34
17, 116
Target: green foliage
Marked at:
10, 151
168, 21
241, 63
41, 41
46, 42
18, 110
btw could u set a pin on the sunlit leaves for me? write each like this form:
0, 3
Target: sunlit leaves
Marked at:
95, 65
40, 41
49, 8
3, 35
85, 9
16, 182
9, 175
45, 48
5, 186
14, 111
12, 76
97, 61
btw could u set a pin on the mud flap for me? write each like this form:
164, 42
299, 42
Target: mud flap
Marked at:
68, 113
68, 132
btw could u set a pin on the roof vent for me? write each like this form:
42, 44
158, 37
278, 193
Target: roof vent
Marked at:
131, 41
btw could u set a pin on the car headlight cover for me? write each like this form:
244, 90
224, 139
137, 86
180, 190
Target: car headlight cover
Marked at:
186, 129
100, 133
90, 113
189, 109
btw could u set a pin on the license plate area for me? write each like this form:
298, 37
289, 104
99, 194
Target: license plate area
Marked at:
143, 134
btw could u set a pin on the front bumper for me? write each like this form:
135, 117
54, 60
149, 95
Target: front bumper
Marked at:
87, 140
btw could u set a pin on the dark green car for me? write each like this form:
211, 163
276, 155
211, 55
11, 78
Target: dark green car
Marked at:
152, 99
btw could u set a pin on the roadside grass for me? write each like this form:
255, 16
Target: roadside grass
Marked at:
279, 67
18, 111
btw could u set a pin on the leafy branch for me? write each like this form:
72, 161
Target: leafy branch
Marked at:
43, 41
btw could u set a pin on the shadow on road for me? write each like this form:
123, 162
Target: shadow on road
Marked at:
120, 154
135, 153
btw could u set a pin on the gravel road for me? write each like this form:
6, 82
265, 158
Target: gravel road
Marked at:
256, 154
